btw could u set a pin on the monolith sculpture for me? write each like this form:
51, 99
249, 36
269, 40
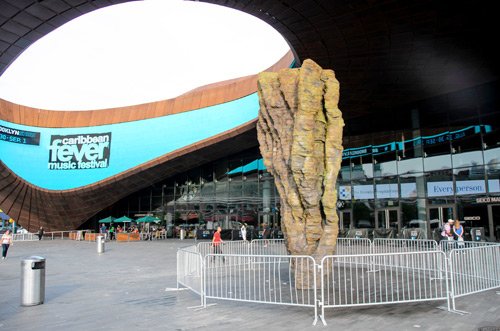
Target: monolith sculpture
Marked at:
300, 136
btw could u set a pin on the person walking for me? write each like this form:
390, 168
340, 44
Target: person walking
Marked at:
6, 242
266, 234
40, 233
216, 244
244, 233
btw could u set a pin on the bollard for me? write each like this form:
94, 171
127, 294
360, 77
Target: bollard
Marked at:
100, 244
32, 281
182, 234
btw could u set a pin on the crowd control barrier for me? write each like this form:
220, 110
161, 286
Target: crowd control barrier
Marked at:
362, 272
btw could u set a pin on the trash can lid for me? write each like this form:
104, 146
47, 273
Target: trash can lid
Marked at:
34, 258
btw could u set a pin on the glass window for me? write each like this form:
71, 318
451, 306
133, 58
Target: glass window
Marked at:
363, 214
467, 150
385, 164
491, 146
345, 170
412, 186
437, 149
409, 215
493, 174
409, 152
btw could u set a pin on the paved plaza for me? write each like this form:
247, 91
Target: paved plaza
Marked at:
125, 289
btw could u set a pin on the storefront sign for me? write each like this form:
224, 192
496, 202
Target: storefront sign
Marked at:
471, 187
488, 200
19, 136
363, 192
439, 189
83, 151
387, 191
345, 193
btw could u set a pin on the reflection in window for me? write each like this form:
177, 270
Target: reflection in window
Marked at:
492, 147
363, 215
385, 164
467, 151
437, 150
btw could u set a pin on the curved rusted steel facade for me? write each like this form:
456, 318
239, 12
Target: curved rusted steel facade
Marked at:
34, 200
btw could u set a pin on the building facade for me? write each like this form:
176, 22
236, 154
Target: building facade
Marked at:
419, 95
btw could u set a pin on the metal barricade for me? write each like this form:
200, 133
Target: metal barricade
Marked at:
24, 237
383, 245
383, 272
347, 280
349, 246
228, 247
474, 269
190, 270
268, 247
448, 245
273, 279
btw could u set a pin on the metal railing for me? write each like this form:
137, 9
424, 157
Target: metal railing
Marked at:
54, 235
273, 279
190, 270
383, 245
349, 280
362, 272
24, 237
474, 269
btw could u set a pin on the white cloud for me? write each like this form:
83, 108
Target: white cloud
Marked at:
139, 52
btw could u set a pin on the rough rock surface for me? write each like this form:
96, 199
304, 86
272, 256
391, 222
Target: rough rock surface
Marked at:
300, 136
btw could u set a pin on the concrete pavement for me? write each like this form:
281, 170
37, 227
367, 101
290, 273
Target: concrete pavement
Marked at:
124, 289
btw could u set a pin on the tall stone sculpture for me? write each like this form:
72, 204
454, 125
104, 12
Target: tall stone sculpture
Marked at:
300, 136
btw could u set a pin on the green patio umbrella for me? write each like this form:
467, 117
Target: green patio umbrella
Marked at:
109, 219
148, 219
123, 219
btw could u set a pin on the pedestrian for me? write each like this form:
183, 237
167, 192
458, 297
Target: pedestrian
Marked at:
216, 244
458, 232
266, 234
40, 233
244, 233
111, 232
103, 230
446, 233
6, 242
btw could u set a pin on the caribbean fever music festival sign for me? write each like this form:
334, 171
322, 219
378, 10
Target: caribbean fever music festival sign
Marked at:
81, 151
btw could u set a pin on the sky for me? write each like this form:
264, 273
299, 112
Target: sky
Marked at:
139, 52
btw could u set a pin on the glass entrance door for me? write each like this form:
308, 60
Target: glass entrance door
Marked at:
437, 214
387, 218
345, 219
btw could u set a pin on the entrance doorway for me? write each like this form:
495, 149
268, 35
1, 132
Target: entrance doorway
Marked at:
437, 214
494, 217
269, 218
345, 219
387, 218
